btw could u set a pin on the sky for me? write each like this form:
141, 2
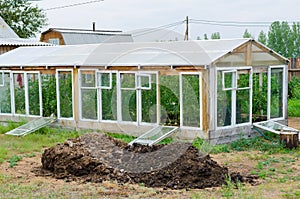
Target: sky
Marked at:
139, 14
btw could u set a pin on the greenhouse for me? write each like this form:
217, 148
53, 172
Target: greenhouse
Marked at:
216, 89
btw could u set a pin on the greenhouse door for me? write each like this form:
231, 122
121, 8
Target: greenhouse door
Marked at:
190, 100
138, 97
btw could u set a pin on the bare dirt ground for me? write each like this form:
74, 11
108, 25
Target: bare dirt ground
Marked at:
24, 176
294, 122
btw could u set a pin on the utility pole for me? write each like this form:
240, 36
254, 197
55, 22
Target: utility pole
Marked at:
186, 35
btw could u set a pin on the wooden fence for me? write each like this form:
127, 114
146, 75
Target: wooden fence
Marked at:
294, 68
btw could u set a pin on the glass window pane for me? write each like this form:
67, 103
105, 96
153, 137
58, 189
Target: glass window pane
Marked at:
49, 95
129, 105
128, 80
89, 104
149, 100
88, 78
243, 79
19, 93
191, 100
33, 93
224, 100
5, 97
260, 97
105, 80
228, 80
109, 101
276, 93
65, 94
169, 100
144, 81
242, 106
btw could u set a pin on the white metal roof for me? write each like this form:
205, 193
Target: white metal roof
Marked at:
184, 53
82, 36
6, 31
21, 42
74, 38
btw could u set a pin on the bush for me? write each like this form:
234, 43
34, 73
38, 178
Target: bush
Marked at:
294, 107
294, 88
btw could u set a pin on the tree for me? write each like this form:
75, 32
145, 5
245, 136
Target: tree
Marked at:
296, 39
247, 34
280, 38
262, 37
215, 35
24, 18
205, 37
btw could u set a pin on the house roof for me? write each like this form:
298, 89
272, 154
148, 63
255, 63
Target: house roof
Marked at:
6, 31
82, 36
184, 53
9, 38
21, 42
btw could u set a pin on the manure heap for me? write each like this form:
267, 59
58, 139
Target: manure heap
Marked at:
95, 157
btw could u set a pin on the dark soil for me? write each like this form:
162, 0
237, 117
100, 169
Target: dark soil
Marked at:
95, 158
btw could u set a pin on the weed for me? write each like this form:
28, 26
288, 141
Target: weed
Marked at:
31, 155
195, 196
13, 161
122, 137
228, 190
272, 169
262, 174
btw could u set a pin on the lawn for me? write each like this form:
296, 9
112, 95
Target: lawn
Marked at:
278, 170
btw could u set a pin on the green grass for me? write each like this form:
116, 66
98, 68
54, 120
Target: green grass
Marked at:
243, 144
34, 142
13, 161
122, 137
9, 126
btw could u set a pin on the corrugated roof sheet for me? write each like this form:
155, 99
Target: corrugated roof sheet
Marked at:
21, 42
184, 53
73, 38
82, 36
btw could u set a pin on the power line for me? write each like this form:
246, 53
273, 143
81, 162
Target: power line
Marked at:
72, 5
144, 32
233, 23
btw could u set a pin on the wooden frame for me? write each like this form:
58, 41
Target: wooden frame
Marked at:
2, 77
